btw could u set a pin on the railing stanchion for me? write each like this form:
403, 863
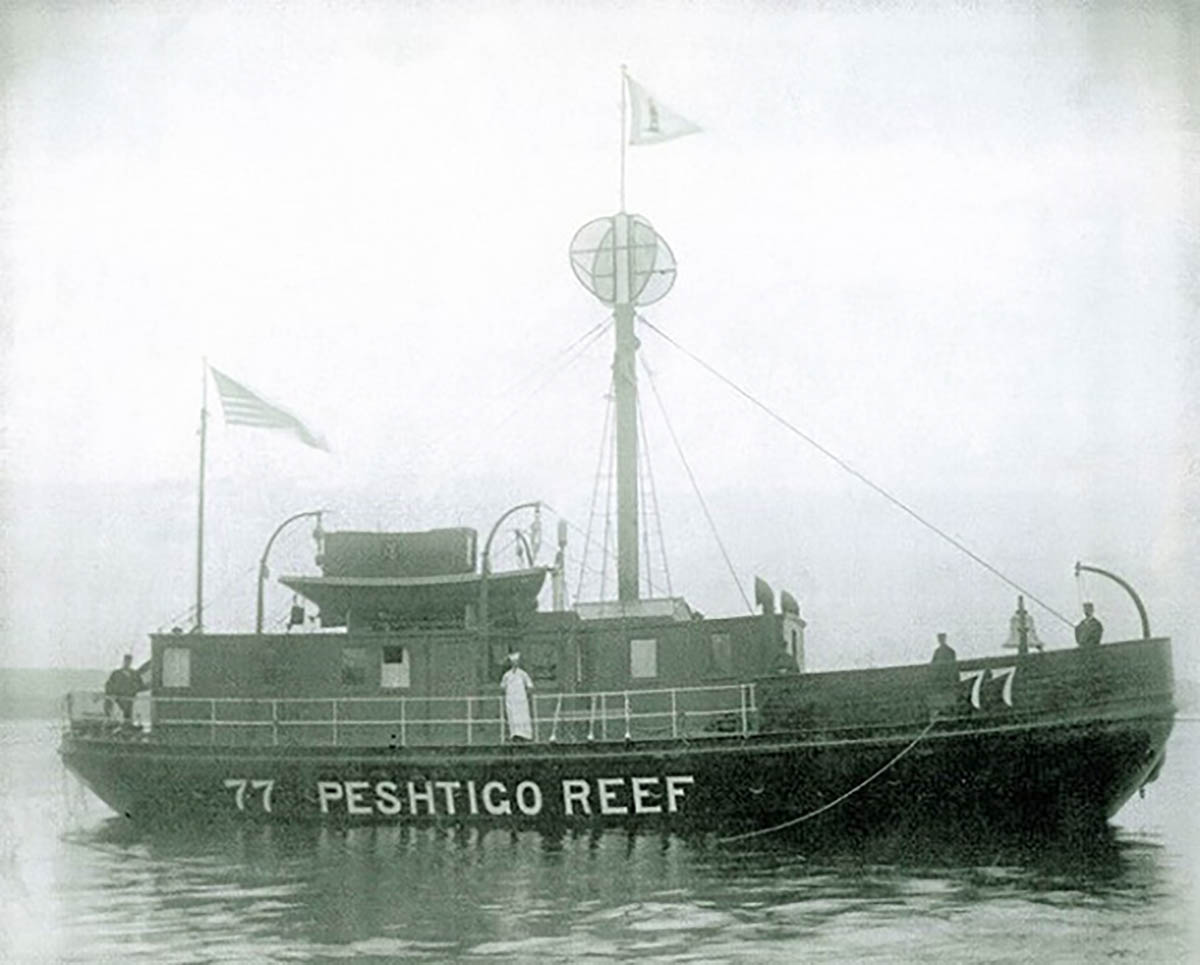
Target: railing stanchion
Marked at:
403, 721
275, 723
592, 718
674, 715
212, 716
335, 722
628, 730
745, 711
557, 712
469, 699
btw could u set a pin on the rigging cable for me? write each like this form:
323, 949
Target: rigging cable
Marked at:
587, 536
695, 486
662, 545
588, 541
224, 592
537, 371
854, 472
580, 347
1080, 589
608, 514
643, 508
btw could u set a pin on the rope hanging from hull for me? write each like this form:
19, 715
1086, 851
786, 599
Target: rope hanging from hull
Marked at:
792, 822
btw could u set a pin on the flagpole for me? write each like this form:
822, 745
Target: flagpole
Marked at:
199, 627
623, 86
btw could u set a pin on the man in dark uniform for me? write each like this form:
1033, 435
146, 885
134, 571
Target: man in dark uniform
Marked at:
123, 685
943, 679
1089, 630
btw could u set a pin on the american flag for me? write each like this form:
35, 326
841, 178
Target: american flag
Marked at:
245, 408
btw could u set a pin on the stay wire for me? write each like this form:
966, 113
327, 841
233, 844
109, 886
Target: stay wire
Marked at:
643, 505
608, 501
587, 538
225, 591
695, 486
551, 362
580, 347
898, 503
662, 545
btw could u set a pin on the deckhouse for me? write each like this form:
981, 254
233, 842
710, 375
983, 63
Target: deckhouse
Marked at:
414, 636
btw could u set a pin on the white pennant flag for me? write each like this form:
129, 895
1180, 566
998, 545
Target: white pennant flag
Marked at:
650, 122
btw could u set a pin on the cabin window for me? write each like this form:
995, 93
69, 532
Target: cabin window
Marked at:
720, 655
355, 661
643, 658
177, 667
394, 672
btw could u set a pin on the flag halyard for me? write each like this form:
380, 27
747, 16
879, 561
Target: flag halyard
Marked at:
242, 407
652, 122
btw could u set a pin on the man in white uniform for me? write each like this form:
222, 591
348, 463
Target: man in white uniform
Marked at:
516, 685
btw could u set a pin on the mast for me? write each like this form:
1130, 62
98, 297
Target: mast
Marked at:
625, 263
625, 383
199, 628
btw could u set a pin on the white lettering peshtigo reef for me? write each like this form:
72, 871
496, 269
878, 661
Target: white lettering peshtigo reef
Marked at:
570, 797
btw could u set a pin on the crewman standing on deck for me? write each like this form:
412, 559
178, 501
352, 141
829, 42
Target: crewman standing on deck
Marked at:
943, 679
516, 685
1089, 630
123, 685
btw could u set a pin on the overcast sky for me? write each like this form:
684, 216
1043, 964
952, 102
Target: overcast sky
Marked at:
958, 247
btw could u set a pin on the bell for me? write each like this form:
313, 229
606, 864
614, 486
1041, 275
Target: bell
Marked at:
1021, 632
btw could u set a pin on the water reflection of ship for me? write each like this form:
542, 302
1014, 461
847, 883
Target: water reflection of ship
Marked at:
1108, 860
644, 712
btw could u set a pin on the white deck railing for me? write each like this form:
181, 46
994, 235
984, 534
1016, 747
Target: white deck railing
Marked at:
619, 715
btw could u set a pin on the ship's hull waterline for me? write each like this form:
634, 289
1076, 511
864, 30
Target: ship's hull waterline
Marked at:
1022, 777
1025, 742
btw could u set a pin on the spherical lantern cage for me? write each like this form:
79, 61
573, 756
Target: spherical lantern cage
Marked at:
647, 258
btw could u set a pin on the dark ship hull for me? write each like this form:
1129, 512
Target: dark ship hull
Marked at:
1037, 742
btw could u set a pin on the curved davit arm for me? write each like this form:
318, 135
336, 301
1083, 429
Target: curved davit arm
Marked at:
1137, 600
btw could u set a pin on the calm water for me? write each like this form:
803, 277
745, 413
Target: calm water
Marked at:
79, 885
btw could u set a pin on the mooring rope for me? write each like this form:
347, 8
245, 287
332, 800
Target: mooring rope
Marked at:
792, 822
